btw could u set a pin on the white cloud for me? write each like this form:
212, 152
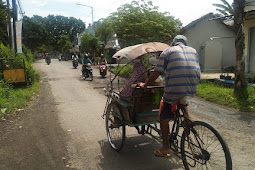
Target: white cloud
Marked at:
40, 3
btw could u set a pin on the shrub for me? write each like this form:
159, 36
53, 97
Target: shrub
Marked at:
125, 72
32, 75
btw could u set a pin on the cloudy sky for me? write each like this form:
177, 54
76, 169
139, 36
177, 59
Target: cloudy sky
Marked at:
185, 10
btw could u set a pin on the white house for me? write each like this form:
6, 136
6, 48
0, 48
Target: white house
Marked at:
214, 40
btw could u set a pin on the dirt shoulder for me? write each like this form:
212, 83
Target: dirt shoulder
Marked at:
33, 139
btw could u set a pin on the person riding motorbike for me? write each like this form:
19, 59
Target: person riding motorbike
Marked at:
102, 60
86, 62
75, 59
47, 58
102, 66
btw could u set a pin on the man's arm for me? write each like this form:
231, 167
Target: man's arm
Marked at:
151, 79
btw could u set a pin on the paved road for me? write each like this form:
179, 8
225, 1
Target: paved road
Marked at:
63, 129
80, 105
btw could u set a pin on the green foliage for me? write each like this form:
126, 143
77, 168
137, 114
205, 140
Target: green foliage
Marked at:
140, 22
89, 44
35, 34
32, 75
65, 45
104, 31
5, 51
125, 72
3, 25
44, 33
242, 100
225, 8
96, 59
12, 99
136, 23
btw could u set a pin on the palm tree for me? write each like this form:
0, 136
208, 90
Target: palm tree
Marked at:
225, 8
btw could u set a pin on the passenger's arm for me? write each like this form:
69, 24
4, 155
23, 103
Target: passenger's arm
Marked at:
152, 78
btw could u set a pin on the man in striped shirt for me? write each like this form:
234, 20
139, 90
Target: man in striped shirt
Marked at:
180, 64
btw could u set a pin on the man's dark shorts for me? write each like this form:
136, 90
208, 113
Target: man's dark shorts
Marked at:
166, 111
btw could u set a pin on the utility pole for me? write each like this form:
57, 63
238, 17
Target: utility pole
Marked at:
9, 22
91, 11
14, 8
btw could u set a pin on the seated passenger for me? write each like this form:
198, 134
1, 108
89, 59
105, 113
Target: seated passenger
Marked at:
138, 76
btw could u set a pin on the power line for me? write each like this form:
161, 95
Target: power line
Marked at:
20, 9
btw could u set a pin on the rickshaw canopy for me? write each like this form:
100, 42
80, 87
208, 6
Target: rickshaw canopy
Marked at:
133, 52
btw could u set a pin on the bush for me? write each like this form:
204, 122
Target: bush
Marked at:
125, 72
96, 59
32, 75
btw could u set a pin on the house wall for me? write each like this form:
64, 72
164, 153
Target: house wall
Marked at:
249, 23
199, 37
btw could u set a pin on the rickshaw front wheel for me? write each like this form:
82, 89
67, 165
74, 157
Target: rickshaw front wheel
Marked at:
115, 127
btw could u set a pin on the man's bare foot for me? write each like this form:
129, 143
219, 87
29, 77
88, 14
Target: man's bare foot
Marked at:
164, 150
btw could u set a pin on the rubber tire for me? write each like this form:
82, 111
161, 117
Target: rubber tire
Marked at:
91, 76
221, 140
122, 124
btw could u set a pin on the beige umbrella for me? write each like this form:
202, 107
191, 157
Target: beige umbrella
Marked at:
132, 52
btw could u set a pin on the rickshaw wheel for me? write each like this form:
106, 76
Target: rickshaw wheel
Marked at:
115, 127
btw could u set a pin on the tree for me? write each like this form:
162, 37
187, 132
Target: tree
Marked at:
39, 31
89, 44
225, 8
65, 45
60, 25
3, 25
139, 22
104, 30
34, 34
240, 78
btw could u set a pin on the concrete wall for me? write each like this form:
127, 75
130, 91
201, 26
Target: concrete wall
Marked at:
249, 23
199, 38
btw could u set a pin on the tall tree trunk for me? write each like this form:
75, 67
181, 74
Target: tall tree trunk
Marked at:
240, 78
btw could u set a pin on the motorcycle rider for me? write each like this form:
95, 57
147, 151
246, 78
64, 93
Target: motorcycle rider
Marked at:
75, 58
102, 65
47, 58
85, 63
102, 60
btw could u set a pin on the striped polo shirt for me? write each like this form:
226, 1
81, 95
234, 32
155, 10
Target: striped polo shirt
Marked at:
182, 72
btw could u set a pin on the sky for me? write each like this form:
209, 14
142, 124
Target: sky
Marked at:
185, 10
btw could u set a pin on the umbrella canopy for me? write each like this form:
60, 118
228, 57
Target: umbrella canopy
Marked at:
132, 52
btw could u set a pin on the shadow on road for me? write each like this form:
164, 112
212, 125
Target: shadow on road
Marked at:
136, 154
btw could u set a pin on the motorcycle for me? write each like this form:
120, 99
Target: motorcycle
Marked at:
75, 63
103, 70
48, 61
87, 72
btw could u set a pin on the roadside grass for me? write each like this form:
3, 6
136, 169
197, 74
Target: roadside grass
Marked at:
213, 92
16, 98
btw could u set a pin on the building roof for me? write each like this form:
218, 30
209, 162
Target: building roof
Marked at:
226, 20
193, 23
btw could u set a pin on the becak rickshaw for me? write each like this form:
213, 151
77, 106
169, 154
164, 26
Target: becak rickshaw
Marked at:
141, 108
197, 143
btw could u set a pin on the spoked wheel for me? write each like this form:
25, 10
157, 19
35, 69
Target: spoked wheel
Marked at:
202, 147
115, 127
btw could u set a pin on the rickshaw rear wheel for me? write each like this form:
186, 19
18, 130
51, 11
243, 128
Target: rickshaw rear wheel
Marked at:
115, 127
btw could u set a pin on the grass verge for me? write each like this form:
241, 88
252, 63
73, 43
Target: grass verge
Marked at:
16, 98
213, 92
